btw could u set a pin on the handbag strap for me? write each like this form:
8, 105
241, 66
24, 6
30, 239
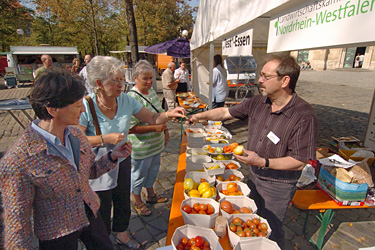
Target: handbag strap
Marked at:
145, 99
94, 116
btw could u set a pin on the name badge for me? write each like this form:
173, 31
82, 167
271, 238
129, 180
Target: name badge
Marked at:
273, 137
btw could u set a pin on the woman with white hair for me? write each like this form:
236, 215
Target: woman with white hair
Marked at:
114, 110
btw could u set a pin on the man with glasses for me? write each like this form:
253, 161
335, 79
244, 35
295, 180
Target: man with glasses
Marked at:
281, 139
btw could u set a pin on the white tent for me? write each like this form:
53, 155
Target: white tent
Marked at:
276, 25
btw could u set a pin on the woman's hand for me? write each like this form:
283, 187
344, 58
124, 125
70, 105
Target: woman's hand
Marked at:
160, 127
113, 138
166, 137
121, 151
178, 112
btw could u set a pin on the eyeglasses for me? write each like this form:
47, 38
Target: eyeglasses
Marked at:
266, 78
118, 82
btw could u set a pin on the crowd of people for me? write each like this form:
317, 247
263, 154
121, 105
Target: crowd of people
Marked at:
93, 146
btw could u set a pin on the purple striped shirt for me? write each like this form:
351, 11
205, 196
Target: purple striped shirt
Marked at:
296, 126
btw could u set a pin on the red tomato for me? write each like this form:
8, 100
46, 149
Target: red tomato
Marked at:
202, 207
191, 242
187, 209
180, 247
256, 221
202, 212
232, 187
196, 207
237, 221
184, 241
210, 209
263, 227
199, 241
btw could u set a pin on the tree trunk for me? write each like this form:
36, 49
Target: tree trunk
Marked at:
132, 32
94, 28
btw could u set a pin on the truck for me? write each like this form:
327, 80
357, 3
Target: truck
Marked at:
26, 59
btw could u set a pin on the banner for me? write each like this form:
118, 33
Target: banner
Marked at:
238, 45
324, 23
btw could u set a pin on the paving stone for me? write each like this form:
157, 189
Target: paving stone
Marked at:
143, 237
135, 224
157, 226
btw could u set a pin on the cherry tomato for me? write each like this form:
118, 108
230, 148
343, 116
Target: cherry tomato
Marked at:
191, 242
241, 233
199, 241
196, 207
255, 231
232, 187
187, 209
195, 248
202, 212
180, 247
263, 227
237, 221
202, 207
261, 234
184, 241
206, 243
232, 227
210, 209
256, 221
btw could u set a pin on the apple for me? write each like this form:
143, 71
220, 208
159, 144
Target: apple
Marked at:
238, 150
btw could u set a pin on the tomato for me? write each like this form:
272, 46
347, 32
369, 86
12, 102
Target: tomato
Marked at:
196, 207
202, 207
193, 212
263, 227
232, 177
255, 231
245, 210
203, 187
232, 227
195, 248
184, 241
256, 221
220, 178
238, 150
187, 209
188, 184
232, 187
231, 166
210, 209
199, 241
191, 242
250, 224
237, 221
203, 180
202, 212
261, 234
207, 193
206, 243
194, 193
180, 247
241, 233
227, 207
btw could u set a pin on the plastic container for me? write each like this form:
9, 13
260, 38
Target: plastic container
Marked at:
229, 172
191, 231
226, 162
241, 186
234, 239
237, 203
198, 176
201, 220
219, 170
194, 167
259, 243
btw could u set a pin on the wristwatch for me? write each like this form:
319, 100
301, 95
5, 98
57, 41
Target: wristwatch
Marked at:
267, 166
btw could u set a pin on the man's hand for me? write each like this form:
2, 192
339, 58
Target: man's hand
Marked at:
251, 158
121, 151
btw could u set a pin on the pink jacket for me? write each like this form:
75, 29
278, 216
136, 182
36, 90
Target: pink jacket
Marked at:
36, 181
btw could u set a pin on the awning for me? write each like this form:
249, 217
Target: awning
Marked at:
38, 50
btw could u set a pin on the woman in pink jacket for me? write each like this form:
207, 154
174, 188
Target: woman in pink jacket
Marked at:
44, 176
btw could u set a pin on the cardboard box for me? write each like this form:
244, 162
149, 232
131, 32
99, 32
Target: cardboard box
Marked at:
234, 239
229, 172
238, 202
200, 220
345, 194
197, 176
260, 243
347, 155
191, 231
241, 186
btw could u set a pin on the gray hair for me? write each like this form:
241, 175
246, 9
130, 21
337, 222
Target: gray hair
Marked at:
170, 64
103, 68
141, 67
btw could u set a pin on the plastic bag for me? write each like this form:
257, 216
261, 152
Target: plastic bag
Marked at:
307, 176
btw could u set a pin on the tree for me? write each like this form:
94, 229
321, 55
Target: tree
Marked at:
12, 17
132, 31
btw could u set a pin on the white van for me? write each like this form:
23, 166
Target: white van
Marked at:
240, 69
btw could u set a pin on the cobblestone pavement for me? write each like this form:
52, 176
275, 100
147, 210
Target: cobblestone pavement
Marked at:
342, 101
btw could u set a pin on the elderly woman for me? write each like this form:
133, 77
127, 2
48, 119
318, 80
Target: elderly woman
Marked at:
148, 140
114, 110
44, 175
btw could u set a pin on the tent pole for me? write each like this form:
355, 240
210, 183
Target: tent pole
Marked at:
211, 68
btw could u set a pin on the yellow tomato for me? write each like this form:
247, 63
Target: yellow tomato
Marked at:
207, 193
194, 193
188, 184
203, 187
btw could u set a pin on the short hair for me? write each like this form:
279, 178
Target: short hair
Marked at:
141, 67
287, 67
103, 68
218, 60
75, 60
44, 57
55, 88
170, 64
